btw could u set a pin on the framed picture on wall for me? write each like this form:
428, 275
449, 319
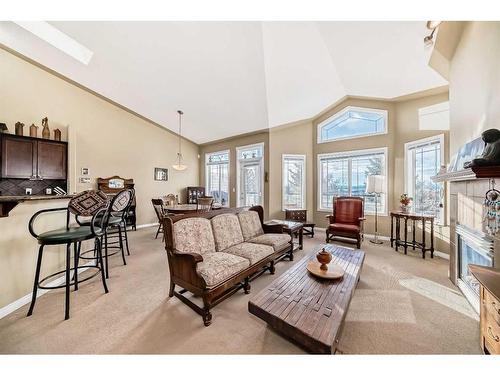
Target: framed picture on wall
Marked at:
161, 174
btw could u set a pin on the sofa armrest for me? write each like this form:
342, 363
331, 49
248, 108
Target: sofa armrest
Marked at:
183, 267
272, 228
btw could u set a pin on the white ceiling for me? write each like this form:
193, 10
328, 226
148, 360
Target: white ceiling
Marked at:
231, 78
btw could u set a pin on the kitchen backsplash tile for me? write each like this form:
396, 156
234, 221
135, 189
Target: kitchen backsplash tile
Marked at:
15, 186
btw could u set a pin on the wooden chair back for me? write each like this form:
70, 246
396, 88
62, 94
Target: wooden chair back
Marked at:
348, 210
159, 210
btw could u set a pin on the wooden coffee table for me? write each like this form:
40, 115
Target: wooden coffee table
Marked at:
307, 310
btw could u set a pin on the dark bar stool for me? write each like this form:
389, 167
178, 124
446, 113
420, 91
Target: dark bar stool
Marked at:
115, 233
87, 204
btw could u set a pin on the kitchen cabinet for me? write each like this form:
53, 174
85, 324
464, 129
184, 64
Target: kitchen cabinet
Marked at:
33, 158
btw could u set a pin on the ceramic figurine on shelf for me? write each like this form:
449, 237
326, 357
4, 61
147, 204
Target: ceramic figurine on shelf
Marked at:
33, 130
46, 130
19, 128
491, 152
57, 134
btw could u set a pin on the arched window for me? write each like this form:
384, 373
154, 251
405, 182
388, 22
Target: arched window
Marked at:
353, 122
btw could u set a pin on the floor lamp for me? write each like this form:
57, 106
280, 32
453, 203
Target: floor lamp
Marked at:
375, 185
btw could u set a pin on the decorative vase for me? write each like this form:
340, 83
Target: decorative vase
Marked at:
19, 128
57, 134
33, 130
46, 130
324, 257
405, 208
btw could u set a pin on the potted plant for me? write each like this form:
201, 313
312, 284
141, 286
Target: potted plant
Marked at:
405, 201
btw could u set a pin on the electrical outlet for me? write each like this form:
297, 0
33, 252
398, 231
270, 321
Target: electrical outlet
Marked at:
28, 191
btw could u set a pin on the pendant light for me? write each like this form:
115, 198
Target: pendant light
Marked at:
179, 166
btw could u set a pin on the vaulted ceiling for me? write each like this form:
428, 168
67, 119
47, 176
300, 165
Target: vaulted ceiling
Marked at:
231, 78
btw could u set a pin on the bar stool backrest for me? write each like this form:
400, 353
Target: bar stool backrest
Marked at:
87, 203
121, 201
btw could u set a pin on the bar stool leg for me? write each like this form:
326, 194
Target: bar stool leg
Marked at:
75, 262
68, 277
37, 278
121, 244
99, 259
126, 236
106, 258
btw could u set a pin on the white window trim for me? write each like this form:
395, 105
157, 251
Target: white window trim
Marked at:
304, 179
238, 182
354, 153
383, 112
207, 155
408, 145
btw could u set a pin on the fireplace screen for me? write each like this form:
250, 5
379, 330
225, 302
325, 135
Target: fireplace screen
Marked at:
473, 248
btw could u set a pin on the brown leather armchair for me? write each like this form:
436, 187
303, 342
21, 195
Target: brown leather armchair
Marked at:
347, 219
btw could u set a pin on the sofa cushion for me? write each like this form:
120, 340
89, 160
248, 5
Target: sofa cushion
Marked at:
250, 224
277, 240
251, 251
194, 235
218, 267
227, 231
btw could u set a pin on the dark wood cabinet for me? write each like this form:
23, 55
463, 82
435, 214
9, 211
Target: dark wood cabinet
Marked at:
33, 158
193, 192
18, 157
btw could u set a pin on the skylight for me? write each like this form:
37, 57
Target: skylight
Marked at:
58, 39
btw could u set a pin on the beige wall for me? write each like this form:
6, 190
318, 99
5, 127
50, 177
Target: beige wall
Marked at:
102, 137
475, 83
231, 144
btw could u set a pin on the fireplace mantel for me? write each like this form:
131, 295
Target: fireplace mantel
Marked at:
469, 174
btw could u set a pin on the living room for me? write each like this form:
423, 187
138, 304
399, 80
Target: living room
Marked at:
250, 186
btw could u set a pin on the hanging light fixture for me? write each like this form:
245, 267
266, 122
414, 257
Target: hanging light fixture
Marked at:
179, 166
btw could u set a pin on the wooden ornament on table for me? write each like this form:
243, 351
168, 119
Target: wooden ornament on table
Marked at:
19, 128
333, 272
324, 257
57, 134
33, 130
46, 130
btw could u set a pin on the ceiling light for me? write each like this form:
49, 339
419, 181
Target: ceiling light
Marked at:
179, 166
58, 39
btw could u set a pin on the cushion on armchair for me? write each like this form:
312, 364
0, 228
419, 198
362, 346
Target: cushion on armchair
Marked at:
218, 267
251, 251
250, 224
193, 235
345, 228
227, 231
276, 240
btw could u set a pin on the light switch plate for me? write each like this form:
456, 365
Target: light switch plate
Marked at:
85, 180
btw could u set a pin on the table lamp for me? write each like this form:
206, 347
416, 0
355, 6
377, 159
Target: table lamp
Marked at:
375, 185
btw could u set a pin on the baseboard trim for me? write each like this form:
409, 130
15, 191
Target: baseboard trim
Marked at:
147, 225
442, 255
13, 306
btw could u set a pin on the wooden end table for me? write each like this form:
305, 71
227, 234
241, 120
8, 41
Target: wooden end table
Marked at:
398, 218
300, 216
307, 310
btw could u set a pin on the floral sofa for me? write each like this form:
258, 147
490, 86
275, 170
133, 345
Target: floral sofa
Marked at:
214, 254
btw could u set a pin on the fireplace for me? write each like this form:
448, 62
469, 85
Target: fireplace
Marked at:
473, 247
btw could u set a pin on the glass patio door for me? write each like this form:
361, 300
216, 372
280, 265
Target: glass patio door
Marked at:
251, 190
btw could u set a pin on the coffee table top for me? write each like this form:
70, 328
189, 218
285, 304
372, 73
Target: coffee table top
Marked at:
286, 223
308, 310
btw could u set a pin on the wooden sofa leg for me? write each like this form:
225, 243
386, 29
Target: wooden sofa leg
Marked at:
246, 286
272, 268
205, 313
171, 289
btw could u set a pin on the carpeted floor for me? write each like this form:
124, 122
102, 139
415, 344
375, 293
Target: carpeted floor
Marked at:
403, 304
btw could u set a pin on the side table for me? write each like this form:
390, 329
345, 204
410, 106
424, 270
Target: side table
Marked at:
398, 218
300, 216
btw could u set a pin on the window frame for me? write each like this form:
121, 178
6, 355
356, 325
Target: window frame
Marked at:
302, 157
207, 164
238, 170
440, 137
383, 112
351, 154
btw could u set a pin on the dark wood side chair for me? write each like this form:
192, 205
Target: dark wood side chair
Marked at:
160, 214
204, 204
347, 219
89, 203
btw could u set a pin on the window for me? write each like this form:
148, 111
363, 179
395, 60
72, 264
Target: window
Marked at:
353, 122
345, 174
217, 176
250, 175
434, 117
423, 160
293, 184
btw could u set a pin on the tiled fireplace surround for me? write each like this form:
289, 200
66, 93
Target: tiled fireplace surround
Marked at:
466, 208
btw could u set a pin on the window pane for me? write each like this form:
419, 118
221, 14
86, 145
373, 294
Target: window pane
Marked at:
334, 180
362, 167
217, 177
352, 122
427, 194
293, 178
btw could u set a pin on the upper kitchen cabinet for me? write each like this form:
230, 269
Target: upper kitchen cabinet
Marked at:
33, 158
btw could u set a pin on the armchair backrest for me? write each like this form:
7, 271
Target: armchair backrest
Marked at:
348, 210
